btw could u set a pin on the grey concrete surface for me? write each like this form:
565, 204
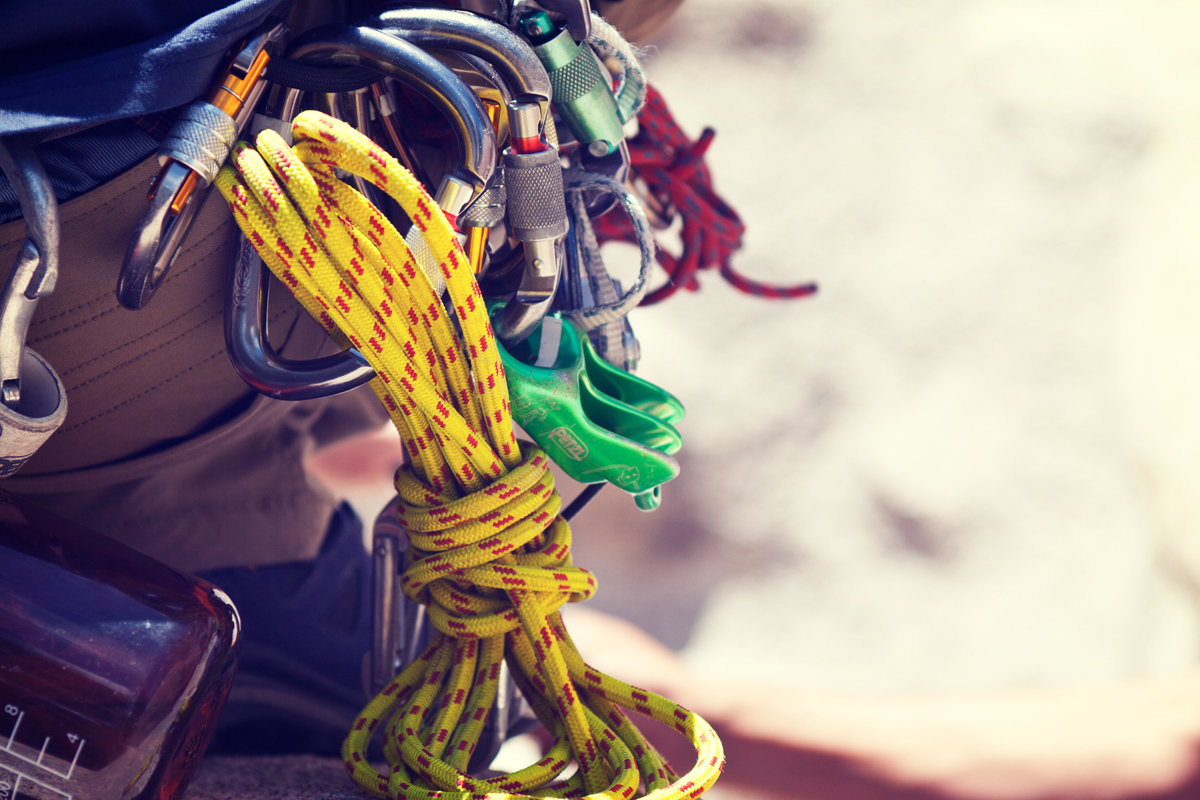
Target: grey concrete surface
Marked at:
272, 778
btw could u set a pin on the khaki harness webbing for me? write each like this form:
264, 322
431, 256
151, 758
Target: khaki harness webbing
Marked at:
488, 552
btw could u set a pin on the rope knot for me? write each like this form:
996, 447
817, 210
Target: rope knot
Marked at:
467, 555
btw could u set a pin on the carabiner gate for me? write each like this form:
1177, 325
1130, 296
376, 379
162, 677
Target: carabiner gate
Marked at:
191, 156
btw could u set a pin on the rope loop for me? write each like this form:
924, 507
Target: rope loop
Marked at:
464, 555
675, 173
489, 553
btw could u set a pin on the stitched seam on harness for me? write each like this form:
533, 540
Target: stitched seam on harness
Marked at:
137, 396
143, 336
167, 343
133, 188
43, 337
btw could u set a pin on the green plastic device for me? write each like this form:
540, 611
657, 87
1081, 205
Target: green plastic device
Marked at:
597, 422
582, 92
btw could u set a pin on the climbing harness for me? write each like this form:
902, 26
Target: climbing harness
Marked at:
488, 554
475, 539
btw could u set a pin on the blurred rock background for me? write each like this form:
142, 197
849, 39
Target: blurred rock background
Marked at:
924, 478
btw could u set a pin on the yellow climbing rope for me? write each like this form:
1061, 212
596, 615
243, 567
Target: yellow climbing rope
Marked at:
488, 552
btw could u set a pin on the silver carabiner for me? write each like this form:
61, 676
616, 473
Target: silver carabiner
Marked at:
35, 271
349, 45
245, 335
191, 156
537, 217
465, 32
251, 353
33, 401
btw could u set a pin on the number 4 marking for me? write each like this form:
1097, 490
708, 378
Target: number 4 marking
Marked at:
72, 738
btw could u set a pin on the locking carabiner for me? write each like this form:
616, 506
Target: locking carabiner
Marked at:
537, 217
191, 156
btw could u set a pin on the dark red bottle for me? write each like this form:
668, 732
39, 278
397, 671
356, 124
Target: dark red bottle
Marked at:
113, 666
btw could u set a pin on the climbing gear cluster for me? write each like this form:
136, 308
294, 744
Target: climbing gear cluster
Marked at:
433, 185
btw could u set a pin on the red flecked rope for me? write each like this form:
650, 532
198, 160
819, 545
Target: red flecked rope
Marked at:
673, 167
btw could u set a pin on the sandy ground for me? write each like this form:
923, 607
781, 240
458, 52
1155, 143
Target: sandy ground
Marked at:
954, 468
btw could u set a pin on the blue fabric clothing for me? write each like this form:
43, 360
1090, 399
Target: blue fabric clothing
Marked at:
165, 55
101, 65
316, 613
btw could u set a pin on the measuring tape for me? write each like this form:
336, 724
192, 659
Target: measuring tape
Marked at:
488, 552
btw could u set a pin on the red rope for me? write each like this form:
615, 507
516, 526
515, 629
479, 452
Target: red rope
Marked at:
673, 168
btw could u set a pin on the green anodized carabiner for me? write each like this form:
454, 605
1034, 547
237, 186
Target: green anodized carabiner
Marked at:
582, 92
597, 422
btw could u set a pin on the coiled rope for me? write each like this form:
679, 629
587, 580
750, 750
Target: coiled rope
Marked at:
488, 551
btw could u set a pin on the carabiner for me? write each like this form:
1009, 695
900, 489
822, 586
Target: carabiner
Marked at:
348, 45
35, 271
537, 217
469, 33
34, 401
245, 336
191, 156
250, 350
582, 91
498, 46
